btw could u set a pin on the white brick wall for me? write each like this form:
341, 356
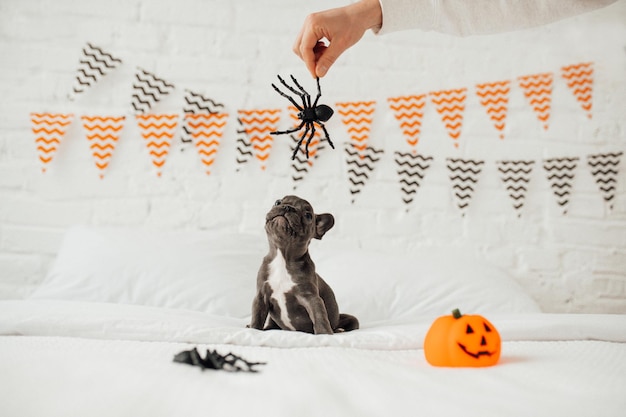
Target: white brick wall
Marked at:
232, 51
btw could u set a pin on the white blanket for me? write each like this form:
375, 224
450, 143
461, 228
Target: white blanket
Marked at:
98, 359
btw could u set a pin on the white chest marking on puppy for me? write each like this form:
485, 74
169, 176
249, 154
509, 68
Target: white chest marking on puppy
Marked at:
280, 281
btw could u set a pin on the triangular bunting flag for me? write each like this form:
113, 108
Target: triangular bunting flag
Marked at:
605, 168
451, 105
560, 176
300, 164
103, 133
409, 111
206, 129
411, 171
538, 90
243, 145
49, 129
579, 79
360, 163
357, 116
158, 131
463, 174
148, 90
197, 104
258, 124
495, 97
516, 175
94, 64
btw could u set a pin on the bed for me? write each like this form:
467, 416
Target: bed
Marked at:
99, 335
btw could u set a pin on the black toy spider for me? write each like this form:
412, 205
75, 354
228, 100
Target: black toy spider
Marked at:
310, 114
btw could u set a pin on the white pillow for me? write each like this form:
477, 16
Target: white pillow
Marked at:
376, 286
216, 273
210, 272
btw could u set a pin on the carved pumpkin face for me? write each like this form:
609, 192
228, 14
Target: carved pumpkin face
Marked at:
459, 340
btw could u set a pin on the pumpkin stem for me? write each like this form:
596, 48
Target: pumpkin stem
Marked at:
456, 313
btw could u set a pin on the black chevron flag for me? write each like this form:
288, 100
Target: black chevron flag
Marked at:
93, 65
361, 163
244, 145
196, 103
561, 174
148, 90
411, 171
605, 168
516, 175
300, 165
463, 174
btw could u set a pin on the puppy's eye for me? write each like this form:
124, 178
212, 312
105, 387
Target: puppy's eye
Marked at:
308, 216
277, 202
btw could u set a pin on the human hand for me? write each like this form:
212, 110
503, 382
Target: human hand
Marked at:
341, 28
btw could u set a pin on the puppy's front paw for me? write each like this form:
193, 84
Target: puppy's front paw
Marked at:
323, 330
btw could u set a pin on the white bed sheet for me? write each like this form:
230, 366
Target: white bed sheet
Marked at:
98, 359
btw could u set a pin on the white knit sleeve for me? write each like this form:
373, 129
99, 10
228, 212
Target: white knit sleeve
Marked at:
476, 17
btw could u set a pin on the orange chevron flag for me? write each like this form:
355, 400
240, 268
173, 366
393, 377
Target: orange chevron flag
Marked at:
206, 130
579, 79
358, 117
258, 124
538, 90
158, 131
317, 136
495, 97
409, 111
451, 105
103, 133
49, 129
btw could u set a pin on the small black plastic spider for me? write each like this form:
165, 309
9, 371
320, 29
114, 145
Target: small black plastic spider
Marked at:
310, 114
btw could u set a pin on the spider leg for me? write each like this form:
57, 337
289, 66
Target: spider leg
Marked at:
282, 132
319, 92
306, 97
311, 136
293, 90
330, 142
298, 85
295, 151
288, 97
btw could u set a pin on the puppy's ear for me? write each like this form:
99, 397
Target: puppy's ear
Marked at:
323, 223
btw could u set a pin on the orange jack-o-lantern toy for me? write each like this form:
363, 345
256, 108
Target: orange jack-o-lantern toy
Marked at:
459, 340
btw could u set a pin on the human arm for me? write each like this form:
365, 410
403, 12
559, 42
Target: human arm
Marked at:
479, 17
344, 26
